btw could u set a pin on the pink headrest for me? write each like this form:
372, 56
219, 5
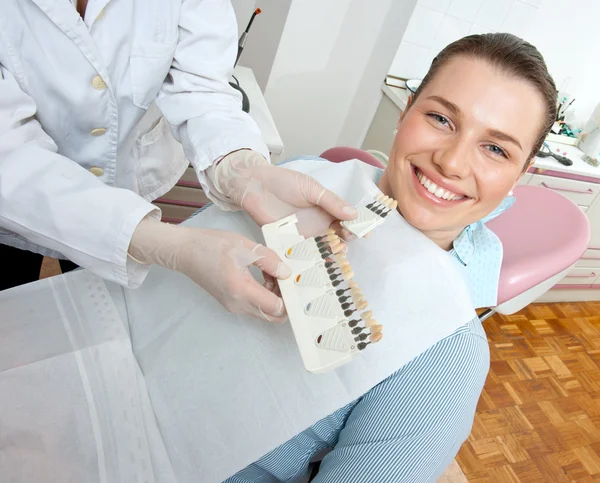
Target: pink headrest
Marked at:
340, 154
542, 234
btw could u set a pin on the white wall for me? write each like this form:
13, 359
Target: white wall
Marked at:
436, 23
574, 53
332, 59
566, 33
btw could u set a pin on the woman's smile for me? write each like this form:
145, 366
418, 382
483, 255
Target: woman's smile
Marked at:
437, 191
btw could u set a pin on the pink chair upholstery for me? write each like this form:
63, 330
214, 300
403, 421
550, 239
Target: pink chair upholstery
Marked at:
543, 234
339, 154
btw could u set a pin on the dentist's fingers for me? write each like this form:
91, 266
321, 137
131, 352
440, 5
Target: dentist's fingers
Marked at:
315, 194
268, 261
271, 284
264, 303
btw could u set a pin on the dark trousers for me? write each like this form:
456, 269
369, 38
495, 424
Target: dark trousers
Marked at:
18, 267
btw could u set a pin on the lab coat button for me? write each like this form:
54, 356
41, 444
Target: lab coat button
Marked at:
96, 171
98, 131
98, 83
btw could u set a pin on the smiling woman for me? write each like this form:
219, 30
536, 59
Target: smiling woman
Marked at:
464, 140
469, 132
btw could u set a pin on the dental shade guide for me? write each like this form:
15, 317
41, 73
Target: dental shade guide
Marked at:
325, 306
370, 216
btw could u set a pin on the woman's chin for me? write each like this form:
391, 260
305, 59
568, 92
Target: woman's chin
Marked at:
418, 217
424, 220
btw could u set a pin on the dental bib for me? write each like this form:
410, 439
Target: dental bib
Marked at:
227, 389
160, 384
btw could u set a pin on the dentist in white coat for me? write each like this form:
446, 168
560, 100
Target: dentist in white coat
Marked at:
95, 98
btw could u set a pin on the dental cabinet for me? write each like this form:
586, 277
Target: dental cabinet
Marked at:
187, 196
580, 183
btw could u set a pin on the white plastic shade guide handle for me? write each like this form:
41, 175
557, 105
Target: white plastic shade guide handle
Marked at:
325, 306
371, 215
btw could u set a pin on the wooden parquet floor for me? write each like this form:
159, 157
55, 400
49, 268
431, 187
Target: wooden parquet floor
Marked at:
538, 418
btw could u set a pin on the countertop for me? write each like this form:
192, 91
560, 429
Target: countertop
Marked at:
579, 167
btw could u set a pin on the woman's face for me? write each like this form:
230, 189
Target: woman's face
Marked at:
461, 147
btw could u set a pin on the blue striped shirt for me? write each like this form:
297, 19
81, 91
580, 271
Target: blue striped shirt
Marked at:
408, 428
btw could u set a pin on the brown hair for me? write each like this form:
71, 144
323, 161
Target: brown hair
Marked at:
512, 55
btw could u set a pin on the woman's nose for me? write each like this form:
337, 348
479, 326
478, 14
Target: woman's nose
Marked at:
453, 159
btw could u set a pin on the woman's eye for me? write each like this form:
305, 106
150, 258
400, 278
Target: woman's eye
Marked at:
439, 119
496, 150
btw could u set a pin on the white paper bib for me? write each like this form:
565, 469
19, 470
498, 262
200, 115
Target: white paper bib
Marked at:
227, 389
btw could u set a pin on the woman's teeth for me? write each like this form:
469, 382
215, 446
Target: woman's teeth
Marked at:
435, 190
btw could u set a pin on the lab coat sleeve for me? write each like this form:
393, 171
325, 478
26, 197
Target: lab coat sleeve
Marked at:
204, 111
54, 202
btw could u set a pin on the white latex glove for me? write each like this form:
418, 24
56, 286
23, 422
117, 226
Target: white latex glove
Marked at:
269, 193
218, 261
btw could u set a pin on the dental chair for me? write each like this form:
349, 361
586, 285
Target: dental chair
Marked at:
543, 235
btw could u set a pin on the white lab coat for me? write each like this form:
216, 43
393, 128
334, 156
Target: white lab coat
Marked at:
83, 147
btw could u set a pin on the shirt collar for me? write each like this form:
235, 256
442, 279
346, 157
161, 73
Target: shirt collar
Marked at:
464, 244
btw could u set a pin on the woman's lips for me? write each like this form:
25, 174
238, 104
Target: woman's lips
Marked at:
431, 191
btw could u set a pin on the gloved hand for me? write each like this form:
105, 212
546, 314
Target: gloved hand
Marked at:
218, 261
269, 193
